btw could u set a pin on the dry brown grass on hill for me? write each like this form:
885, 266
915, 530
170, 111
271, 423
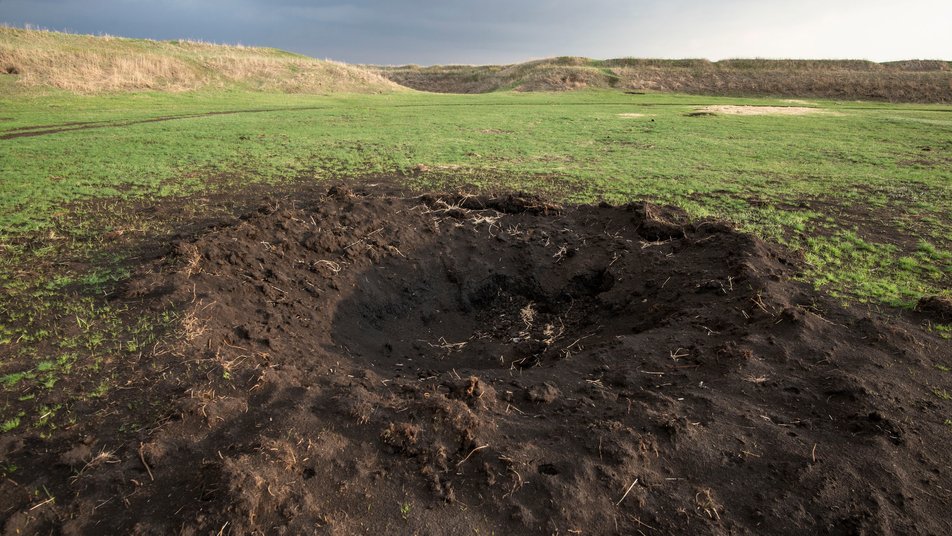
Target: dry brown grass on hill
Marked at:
884, 85
92, 64
88, 72
905, 81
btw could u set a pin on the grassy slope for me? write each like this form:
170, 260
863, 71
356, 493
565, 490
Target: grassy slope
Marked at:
867, 195
907, 81
90, 64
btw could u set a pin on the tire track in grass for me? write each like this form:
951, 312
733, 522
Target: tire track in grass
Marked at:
43, 130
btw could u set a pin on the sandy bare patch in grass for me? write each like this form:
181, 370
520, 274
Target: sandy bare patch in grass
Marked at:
632, 115
728, 109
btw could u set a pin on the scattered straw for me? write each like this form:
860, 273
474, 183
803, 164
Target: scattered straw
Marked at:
528, 314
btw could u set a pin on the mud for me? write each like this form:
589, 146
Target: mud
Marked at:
451, 364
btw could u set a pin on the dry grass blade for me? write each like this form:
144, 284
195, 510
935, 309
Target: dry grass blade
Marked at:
144, 463
706, 504
330, 265
471, 453
627, 491
528, 314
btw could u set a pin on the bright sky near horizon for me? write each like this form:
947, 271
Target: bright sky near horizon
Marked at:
504, 31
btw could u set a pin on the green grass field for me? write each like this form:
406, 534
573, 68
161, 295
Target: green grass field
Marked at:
865, 191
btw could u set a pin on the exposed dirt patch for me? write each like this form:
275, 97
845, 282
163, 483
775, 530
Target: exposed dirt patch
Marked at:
451, 364
632, 115
764, 110
937, 307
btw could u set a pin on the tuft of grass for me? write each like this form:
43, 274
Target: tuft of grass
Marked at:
850, 265
100, 390
10, 424
12, 379
944, 330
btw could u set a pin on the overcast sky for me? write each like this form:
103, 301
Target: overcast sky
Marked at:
503, 31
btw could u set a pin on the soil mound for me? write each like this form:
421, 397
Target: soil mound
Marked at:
456, 364
939, 307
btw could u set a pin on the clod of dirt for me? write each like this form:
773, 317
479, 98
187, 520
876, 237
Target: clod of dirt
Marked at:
937, 307
77, 456
444, 364
10, 69
545, 393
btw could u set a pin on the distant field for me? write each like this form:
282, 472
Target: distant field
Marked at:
863, 190
903, 81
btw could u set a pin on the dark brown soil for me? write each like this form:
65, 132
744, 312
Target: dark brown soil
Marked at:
368, 363
939, 307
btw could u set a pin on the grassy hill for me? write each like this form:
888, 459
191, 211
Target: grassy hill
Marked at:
34, 59
905, 81
31, 59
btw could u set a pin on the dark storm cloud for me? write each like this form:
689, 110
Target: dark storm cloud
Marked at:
360, 31
456, 31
